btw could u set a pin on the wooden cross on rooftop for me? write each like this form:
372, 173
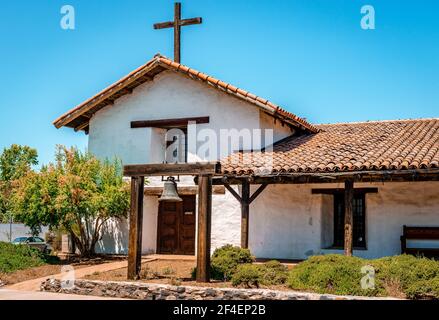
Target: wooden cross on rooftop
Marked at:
177, 24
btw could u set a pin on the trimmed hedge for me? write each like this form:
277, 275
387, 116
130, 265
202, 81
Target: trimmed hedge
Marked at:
254, 275
403, 276
17, 257
226, 259
248, 275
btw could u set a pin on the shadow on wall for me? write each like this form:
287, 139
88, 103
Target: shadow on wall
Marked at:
114, 237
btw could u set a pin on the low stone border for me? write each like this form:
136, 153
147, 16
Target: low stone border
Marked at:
150, 291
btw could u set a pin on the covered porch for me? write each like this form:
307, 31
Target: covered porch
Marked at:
208, 175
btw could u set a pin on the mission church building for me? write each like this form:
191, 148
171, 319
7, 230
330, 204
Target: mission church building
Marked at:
296, 208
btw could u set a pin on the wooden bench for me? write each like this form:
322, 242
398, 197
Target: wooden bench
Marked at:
420, 233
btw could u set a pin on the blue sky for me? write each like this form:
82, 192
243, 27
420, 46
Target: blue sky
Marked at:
311, 57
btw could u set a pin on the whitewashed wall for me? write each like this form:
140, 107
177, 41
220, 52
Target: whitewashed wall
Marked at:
287, 221
171, 96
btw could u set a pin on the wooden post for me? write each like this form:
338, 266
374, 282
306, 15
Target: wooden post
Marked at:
177, 31
177, 24
245, 210
204, 226
348, 218
135, 236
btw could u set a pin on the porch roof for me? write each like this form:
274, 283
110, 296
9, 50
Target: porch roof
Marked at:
344, 148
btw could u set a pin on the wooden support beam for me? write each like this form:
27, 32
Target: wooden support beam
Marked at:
184, 22
204, 227
245, 211
125, 91
135, 232
340, 190
82, 126
183, 190
233, 192
166, 123
337, 177
257, 192
348, 218
245, 200
171, 169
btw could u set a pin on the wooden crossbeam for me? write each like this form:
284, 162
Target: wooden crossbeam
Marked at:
245, 200
82, 126
171, 169
184, 22
252, 198
177, 24
233, 192
258, 192
182, 191
337, 177
164, 123
340, 190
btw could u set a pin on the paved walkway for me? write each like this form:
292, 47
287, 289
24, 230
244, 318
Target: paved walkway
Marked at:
34, 284
6, 294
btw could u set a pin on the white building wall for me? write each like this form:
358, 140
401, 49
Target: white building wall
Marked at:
287, 221
169, 96
280, 130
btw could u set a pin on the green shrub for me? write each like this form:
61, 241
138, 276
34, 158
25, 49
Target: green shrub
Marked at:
270, 273
410, 273
18, 257
334, 274
248, 275
404, 275
273, 273
423, 289
226, 259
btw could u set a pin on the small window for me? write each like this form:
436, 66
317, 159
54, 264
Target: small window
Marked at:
359, 220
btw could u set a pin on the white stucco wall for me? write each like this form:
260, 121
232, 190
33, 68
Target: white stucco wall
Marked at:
287, 221
280, 130
171, 96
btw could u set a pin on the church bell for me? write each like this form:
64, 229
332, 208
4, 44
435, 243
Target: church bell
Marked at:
170, 193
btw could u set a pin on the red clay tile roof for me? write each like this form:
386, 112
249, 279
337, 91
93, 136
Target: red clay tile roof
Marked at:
379, 145
79, 116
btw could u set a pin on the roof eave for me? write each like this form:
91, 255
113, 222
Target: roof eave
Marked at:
67, 118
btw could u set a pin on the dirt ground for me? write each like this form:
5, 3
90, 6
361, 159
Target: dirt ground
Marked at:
161, 270
50, 269
173, 272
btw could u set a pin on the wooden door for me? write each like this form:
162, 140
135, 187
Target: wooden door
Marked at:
176, 227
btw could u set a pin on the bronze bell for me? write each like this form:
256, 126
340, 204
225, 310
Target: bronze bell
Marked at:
170, 193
